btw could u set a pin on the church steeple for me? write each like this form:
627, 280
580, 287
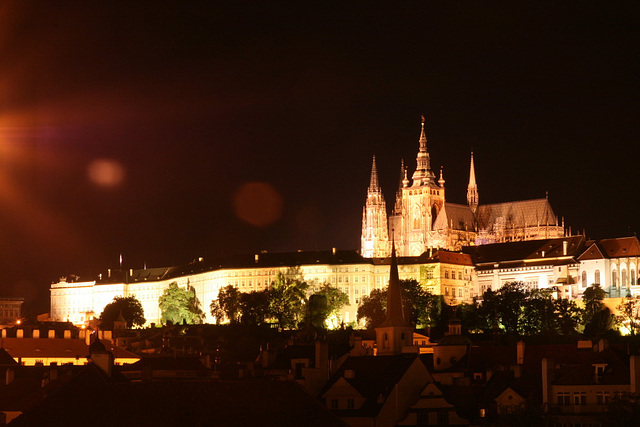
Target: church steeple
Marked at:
395, 312
423, 174
472, 188
395, 334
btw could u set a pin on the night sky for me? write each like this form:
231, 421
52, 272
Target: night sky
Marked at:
165, 131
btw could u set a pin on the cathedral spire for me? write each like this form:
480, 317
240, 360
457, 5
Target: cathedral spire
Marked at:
423, 174
373, 182
472, 188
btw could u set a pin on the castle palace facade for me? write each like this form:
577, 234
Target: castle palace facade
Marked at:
422, 220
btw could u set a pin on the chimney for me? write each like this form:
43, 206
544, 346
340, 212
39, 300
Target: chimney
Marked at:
565, 246
51, 333
520, 353
548, 376
322, 357
333, 251
634, 374
108, 272
256, 258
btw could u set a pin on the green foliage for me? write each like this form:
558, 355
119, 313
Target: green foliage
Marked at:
421, 307
373, 308
287, 298
131, 310
324, 306
629, 316
229, 302
180, 305
254, 307
596, 318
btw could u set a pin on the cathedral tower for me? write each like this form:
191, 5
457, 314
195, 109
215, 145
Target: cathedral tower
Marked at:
472, 188
418, 203
375, 234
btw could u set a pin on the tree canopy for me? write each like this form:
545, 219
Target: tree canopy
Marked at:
180, 305
131, 310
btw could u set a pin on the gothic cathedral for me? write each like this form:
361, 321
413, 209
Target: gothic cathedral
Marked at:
422, 219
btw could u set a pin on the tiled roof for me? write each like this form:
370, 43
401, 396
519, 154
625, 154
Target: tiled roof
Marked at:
612, 248
455, 216
545, 249
372, 376
519, 214
453, 258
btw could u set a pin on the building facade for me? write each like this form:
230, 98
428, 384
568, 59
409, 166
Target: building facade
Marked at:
422, 219
355, 275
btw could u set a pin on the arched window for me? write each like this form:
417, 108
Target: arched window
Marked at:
584, 279
623, 277
614, 278
596, 277
633, 277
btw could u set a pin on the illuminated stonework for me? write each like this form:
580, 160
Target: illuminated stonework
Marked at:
422, 219
357, 276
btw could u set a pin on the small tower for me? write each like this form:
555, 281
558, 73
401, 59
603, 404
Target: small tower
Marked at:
472, 188
395, 333
375, 237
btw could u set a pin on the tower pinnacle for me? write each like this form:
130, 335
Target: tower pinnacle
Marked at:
472, 188
373, 182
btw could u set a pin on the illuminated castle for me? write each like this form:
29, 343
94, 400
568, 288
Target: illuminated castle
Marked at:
422, 219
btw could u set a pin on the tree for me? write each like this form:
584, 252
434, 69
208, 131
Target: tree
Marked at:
629, 315
287, 298
254, 307
421, 307
229, 302
373, 308
596, 318
131, 310
538, 313
180, 305
216, 311
417, 303
324, 306
593, 298
568, 314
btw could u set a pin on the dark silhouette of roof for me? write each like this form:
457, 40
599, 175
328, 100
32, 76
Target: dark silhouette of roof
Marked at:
372, 377
92, 398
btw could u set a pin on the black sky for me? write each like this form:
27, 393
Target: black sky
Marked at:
195, 99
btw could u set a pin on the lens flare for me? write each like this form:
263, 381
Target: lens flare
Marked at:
106, 173
258, 203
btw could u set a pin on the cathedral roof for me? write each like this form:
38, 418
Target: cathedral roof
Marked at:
456, 217
516, 214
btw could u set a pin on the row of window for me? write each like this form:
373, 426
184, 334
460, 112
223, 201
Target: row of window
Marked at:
614, 278
580, 397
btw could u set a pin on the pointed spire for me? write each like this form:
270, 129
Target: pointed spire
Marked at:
472, 188
373, 183
441, 180
395, 312
423, 137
